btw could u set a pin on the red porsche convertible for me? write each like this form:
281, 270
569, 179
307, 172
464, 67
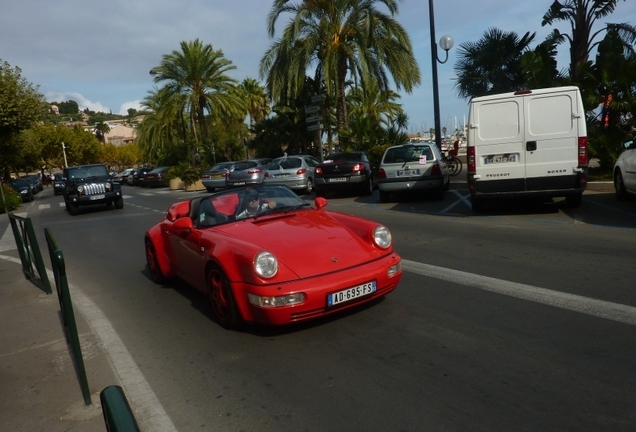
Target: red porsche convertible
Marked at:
264, 255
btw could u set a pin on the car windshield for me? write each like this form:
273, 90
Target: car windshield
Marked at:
19, 183
408, 153
347, 157
246, 203
285, 163
85, 172
222, 166
239, 166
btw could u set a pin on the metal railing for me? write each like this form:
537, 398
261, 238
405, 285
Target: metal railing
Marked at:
30, 256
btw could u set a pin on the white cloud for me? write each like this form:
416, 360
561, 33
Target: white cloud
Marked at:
82, 101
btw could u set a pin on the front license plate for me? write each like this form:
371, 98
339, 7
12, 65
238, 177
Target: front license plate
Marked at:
408, 173
96, 197
351, 293
337, 179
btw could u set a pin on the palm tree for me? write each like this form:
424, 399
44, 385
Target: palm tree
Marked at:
196, 83
379, 106
342, 40
101, 130
256, 100
582, 14
492, 64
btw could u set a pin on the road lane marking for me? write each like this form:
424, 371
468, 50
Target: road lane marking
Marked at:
148, 410
599, 308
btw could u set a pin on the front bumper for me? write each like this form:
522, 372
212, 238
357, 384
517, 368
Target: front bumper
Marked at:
316, 291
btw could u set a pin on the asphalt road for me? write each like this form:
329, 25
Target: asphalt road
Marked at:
520, 318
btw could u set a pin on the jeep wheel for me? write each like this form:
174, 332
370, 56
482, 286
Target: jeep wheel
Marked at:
119, 203
73, 209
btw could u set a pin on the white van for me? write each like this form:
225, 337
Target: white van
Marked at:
527, 143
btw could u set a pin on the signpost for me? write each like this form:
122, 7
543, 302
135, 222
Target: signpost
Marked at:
312, 109
312, 119
314, 127
318, 98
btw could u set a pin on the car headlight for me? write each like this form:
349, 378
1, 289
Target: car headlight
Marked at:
265, 264
80, 189
109, 186
382, 236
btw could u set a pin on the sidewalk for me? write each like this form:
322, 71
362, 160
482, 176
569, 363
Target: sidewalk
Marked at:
39, 386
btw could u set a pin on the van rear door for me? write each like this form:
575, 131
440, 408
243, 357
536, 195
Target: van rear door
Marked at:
497, 125
551, 140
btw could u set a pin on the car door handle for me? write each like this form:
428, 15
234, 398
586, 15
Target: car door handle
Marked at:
531, 145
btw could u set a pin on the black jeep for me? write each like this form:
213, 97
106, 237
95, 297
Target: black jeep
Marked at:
89, 185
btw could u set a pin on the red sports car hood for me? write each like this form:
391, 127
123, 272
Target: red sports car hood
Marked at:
307, 242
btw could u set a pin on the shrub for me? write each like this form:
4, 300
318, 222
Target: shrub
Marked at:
190, 175
11, 199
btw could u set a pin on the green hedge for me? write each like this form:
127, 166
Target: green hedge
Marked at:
11, 199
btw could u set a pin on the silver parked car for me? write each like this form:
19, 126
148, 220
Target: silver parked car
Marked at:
296, 172
625, 171
214, 178
413, 167
246, 173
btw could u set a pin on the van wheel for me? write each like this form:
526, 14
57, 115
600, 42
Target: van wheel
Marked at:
619, 187
476, 204
384, 196
574, 201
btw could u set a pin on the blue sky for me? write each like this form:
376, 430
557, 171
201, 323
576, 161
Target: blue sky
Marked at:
99, 52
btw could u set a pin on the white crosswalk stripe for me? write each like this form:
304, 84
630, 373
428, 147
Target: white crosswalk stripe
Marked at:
44, 206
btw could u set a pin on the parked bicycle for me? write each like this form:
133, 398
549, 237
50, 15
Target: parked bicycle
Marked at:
453, 163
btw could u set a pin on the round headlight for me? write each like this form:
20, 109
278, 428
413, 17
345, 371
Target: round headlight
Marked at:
265, 264
80, 189
382, 236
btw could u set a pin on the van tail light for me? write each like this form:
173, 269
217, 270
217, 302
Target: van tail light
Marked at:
381, 173
470, 159
582, 151
356, 168
301, 171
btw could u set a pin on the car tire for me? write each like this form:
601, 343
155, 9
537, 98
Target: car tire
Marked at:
119, 203
222, 299
619, 186
310, 186
153, 264
367, 186
73, 209
574, 201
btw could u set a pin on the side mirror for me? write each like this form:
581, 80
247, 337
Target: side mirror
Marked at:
183, 225
320, 203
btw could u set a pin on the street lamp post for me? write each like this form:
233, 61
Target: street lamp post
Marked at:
446, 43
64, 150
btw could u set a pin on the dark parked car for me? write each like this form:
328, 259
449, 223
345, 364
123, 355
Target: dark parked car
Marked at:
157, 177
23, 189
138, 176
58, 184
34, 181
347, 171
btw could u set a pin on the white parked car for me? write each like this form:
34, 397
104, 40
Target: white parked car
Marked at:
625, 171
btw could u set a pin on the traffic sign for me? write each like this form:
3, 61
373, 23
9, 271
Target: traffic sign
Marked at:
314, 127
312, 109
318, 98
312, 119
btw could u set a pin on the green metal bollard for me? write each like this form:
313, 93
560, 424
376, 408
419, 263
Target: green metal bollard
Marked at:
117, 413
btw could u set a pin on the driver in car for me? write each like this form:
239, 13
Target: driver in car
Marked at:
254, 205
